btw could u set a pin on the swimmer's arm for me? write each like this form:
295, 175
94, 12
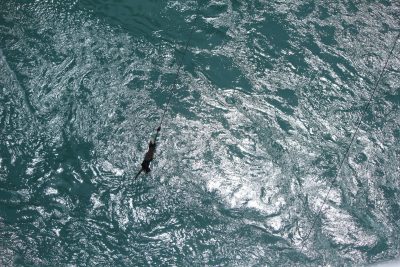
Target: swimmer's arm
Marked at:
154, 137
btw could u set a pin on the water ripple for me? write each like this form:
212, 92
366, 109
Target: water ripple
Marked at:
266, 103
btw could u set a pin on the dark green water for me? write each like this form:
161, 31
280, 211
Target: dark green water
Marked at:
266, 104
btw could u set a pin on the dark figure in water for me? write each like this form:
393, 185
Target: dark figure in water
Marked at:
149, 156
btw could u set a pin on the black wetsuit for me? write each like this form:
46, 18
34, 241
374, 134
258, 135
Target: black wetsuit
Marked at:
149, 156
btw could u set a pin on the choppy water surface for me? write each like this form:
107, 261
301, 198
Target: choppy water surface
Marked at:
265, 107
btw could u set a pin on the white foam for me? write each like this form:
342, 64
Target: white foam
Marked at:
29, 170
94, 198
107, 166
394, 263
51, 191
57, 231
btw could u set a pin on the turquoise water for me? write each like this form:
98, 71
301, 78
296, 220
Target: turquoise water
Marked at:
265, 106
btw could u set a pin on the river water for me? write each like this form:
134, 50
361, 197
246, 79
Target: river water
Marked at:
247, 166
